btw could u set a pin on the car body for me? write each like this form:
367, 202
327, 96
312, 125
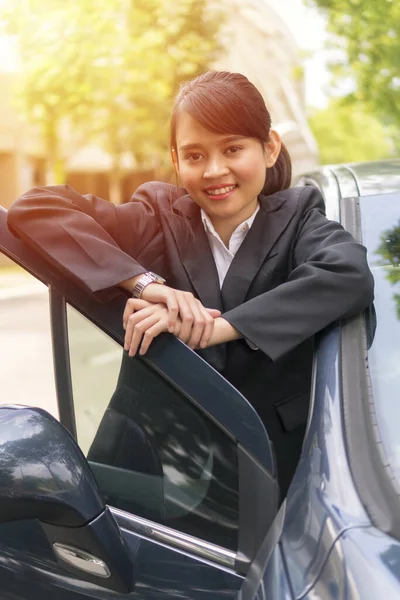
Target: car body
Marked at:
198, 515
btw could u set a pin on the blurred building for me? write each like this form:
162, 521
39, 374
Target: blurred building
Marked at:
259, 44
21, 151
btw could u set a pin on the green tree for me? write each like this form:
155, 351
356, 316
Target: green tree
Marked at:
161, 44
347, 133
368, 33
108, 70
58, 55
389, 249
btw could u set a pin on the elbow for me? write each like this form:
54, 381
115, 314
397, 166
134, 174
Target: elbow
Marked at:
363, 281
368, 284
21, 210
13, 216
370, 288
17, 208
364, 287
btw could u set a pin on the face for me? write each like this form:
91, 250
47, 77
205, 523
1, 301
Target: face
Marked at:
222, 173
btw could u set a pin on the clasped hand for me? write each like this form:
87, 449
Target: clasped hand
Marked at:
163, 309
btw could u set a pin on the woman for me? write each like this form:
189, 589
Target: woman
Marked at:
253, 269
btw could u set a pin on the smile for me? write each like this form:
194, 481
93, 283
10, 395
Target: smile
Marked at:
221, 192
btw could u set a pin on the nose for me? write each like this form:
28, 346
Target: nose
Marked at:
216, 167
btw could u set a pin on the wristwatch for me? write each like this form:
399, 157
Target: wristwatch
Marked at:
144, 281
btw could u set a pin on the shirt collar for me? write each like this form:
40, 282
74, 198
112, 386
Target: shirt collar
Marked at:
243, 227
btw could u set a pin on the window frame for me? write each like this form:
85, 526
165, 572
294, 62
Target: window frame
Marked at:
377, 488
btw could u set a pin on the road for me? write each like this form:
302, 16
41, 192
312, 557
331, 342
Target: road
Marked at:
26, 362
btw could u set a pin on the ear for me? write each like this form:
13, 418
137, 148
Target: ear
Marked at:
272, 148
175, 161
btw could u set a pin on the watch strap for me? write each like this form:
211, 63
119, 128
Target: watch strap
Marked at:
144, 281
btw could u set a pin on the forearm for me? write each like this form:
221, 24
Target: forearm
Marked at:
88, 239
223, 332
129, 284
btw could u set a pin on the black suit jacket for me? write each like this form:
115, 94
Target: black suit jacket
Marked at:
295, 273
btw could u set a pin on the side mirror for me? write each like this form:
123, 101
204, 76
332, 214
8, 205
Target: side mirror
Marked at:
44, 475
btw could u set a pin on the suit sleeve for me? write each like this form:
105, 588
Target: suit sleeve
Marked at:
330, 280
89, 239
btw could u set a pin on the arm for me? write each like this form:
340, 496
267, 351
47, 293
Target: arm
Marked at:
96, 243
223, 332
89, 239
330, 280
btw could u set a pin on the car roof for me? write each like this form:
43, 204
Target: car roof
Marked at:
371, 178
355, 179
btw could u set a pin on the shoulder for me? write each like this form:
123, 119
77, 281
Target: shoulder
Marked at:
301, 199
158, 193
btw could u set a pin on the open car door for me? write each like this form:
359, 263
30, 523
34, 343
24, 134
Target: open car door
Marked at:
180, 461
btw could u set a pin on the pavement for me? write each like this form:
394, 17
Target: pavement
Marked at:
26, 357
26, 360
15, 283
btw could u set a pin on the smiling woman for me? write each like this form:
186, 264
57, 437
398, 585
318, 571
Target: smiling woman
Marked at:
229, 106
262, 271
214, 167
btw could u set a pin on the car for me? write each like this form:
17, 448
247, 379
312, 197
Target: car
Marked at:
164, 486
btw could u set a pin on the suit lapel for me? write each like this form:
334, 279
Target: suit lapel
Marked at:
195, 252
271, 221
196, 256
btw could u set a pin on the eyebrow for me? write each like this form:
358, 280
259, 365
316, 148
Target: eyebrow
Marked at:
226, 140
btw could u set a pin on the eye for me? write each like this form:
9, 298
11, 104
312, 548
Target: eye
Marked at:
193, 156
233, 149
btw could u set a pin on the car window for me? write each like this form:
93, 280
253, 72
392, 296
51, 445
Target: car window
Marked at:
380, 219
26, 361
95, 363
152, 451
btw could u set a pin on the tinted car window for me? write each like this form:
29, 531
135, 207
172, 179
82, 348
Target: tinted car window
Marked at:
152, 451
380, 218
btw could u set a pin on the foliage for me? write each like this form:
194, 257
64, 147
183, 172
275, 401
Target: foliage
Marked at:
368, 32
347, 133
389, 249
108, 68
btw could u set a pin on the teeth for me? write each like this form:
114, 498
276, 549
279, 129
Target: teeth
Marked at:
219, 191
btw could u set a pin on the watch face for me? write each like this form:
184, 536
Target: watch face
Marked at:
157, 278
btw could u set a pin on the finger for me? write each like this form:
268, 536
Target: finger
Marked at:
132, 305
173, 310
163, 293
129, 309
160, 327
215, 313
186, 316
139, 331
139, 304
207, 331
136, 318
200, 316
177, 328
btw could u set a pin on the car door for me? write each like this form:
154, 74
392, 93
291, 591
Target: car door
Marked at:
180, 457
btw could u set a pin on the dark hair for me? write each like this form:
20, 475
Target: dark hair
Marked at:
228, 103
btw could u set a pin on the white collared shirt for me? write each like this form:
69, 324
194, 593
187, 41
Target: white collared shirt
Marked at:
223, 256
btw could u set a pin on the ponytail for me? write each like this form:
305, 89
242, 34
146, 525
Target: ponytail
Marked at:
279, 176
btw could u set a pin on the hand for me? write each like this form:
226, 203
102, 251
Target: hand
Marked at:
197, 321
143, 321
